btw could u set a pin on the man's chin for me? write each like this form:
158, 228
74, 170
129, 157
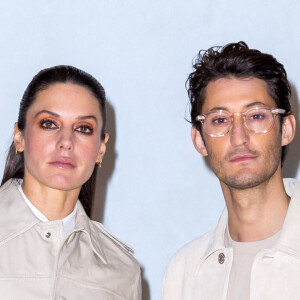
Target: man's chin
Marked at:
243, 181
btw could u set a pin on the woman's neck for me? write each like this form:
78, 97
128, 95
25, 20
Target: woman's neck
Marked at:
54, 204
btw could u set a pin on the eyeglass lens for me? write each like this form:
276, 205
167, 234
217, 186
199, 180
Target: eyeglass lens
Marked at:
258, 120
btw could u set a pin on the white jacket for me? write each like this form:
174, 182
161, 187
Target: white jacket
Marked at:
38, 263
201, 269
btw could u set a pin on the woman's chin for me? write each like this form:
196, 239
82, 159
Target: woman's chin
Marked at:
63, 183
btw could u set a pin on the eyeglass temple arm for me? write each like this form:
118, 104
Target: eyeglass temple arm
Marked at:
200, 118
278, 111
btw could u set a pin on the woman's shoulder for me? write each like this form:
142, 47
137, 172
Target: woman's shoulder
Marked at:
113, 238
11, 200
10, 186
113, 246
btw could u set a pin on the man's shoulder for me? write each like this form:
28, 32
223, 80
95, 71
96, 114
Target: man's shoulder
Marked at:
184, 264
193, 252
292, 187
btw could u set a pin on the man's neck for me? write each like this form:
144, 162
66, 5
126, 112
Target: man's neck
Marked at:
256, 213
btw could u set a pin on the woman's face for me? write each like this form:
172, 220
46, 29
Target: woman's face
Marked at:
61, 140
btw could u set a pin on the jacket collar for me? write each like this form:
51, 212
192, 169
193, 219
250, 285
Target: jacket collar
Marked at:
216, 241
289, 239
84, 224
16, 217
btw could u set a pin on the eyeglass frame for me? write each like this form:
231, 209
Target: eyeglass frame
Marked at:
274, 111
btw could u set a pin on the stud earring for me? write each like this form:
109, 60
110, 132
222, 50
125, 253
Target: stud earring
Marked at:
99, 163
20, 150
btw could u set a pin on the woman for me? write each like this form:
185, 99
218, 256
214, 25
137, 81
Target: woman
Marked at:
49, 248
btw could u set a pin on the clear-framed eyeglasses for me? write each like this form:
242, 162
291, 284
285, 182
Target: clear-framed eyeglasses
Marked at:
258, 119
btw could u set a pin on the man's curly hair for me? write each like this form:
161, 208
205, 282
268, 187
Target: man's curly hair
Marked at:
239, 61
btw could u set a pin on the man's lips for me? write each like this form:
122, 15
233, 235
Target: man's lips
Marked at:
63, 163
241, 158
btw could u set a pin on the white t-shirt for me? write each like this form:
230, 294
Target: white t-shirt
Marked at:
243, 256
68, 221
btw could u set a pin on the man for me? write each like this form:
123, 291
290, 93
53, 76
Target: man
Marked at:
242, 122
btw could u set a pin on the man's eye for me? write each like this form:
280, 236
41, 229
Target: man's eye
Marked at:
48, 124
259, 116
84, 129
219, 121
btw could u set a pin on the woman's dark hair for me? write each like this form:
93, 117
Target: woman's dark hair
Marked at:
237, 60
14, 166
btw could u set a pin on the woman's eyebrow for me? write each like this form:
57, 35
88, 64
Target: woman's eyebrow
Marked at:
44, 111
47, 112
87, 117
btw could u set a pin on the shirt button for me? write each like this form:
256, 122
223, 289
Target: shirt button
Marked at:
48, 235
221, 258
61, 298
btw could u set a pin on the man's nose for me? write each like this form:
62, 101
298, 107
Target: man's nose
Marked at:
239, 133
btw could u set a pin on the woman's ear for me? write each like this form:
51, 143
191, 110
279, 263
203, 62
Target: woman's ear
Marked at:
288, 130
18, 139
198, 141
102, 149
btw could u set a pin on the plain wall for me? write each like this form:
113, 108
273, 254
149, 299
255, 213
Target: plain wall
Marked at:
154, 190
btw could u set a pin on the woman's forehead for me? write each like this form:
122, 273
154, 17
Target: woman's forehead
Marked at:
66, 97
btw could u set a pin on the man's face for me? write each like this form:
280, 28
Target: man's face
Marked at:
242, 159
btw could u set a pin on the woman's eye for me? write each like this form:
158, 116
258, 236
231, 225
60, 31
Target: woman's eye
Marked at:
48, 124
84, 129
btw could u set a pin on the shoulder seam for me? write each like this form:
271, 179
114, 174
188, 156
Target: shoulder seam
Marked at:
113, 238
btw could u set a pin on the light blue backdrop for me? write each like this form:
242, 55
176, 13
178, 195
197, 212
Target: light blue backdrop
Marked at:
154, 191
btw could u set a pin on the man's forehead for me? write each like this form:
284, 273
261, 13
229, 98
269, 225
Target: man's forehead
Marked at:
245, 106
236, 94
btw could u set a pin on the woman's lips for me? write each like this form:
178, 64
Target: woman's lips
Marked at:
63, 163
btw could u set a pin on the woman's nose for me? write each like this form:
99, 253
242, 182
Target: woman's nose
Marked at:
65, 141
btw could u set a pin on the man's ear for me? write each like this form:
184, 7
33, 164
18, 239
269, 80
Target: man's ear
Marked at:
288, 130
102, 149
18, 139
198, 141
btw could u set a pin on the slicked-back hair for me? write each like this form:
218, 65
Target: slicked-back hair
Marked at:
14, 166
239, 61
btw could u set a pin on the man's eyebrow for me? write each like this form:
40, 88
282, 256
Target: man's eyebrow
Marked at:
218, 108
57, 115
255, 104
